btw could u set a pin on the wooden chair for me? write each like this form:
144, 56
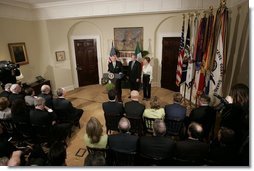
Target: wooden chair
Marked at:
152, 161
112, 122
175, 128
9, 126
119, 158
136, 125
148, 125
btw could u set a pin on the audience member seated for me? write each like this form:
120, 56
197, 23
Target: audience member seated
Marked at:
42, 117
175, 111
5, 111
95, 159
112, 106
155, 111
29, 97
46, 94
6, 92
124, 141
65, 110
15, 93
37, 156
134, 108
204, 115
157, 146
57, 154
223, 151
20, 112
192, 151
93, 137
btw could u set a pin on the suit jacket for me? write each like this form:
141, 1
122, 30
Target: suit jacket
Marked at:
13, 97
113, 108
64, 109
42, 117
205, 115
124, 142
191, 150
117, 69
134, 109
175, 111
156, 146
48, 99
135, 72
5, 94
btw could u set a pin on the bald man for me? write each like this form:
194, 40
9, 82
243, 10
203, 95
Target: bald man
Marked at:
123, 141
192, 149
157, 146
133, 108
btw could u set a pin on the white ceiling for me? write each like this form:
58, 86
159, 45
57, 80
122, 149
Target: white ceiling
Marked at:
57, 9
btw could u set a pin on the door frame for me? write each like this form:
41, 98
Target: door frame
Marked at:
159, 52
73, 56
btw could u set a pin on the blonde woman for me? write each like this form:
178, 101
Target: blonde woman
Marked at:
94, 137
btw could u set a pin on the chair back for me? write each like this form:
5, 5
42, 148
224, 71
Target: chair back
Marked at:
119, 158
152, 161
93, 150
9, 126
174, 127
136, 125
41, 133
148, 125
112, 122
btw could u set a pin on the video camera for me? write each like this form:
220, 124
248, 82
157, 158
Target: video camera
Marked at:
8, 65
222, 104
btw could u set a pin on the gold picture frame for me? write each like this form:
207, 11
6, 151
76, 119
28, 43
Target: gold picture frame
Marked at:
18, 53
60, 55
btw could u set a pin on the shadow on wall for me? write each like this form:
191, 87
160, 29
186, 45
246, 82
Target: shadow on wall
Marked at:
49, 74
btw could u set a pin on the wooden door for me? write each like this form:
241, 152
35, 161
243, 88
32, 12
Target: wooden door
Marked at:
86, 60
170, 46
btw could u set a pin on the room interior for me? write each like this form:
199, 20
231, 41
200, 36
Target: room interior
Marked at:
48, 27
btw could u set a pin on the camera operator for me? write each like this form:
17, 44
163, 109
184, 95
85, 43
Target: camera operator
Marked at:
8, 72
235, 114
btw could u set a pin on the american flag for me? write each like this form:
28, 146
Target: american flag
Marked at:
180, 58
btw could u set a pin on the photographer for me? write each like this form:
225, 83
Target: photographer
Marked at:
8, 72
235, 114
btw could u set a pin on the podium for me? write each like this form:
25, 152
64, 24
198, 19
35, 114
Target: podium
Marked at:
113, 77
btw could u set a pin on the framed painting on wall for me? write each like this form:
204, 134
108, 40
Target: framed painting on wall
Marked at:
126, 38
18, 53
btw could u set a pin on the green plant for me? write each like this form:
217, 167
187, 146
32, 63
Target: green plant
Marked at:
109, 86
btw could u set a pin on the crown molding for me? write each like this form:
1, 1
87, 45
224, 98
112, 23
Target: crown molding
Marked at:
20, 9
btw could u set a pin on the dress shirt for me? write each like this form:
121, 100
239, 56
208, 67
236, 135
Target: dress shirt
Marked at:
148, 70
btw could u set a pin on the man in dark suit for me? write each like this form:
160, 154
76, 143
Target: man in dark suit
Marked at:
115, 67
42, 115
16, 93
112, 106
124, 141
6, 92
64, 108
133, 108
46, 94
192, 150
157, 146
204, 115
134, 73
175, 111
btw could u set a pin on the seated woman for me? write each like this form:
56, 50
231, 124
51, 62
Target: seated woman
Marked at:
156, 111
5, 111
93, 137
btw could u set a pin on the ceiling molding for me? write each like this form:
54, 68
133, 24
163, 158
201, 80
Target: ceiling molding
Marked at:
59, 9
